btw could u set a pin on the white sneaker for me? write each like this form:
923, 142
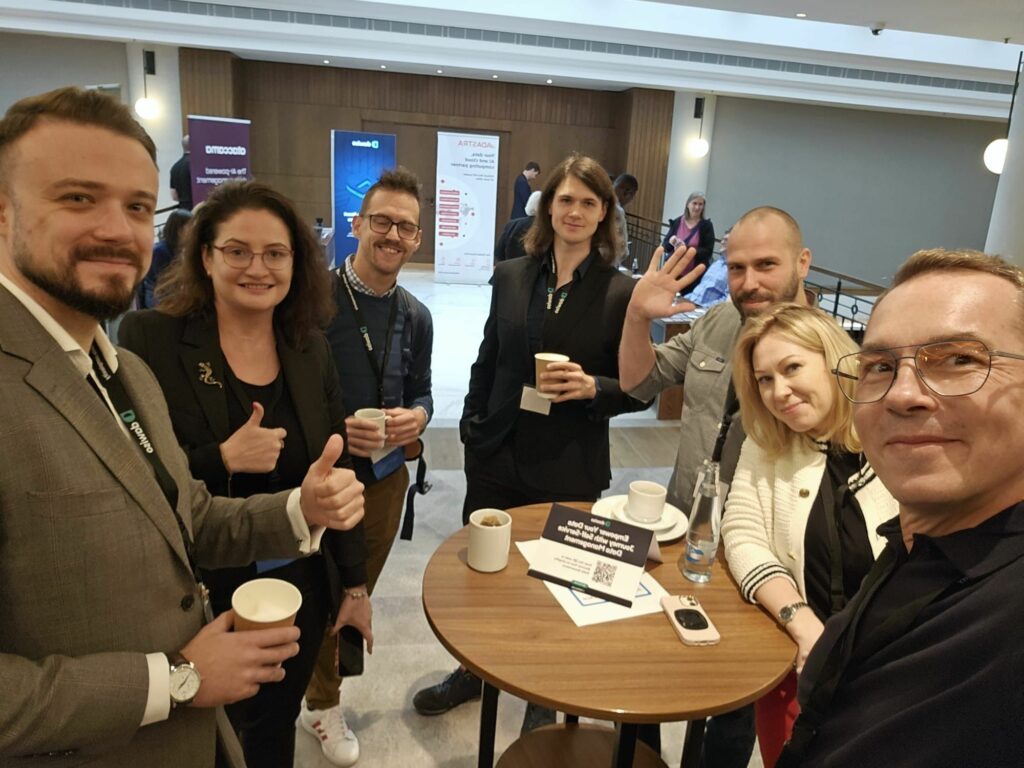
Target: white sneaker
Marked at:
339, 744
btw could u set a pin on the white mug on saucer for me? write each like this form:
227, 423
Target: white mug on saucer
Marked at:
646, 501
489, 543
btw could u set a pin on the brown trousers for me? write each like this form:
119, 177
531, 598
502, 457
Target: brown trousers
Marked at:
382, 502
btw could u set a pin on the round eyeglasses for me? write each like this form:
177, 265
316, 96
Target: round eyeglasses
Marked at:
948, 368
382, 224
240, 257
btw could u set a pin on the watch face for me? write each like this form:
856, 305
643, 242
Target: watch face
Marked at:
184, 683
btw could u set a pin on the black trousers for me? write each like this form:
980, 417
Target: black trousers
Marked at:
495, 482
266, 723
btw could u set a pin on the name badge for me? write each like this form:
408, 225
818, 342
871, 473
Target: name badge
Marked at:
386, 461
532, 401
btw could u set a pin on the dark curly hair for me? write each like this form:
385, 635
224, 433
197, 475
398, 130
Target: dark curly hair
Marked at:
185, 289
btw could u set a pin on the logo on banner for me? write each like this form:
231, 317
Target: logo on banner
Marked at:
218, 149
366, 143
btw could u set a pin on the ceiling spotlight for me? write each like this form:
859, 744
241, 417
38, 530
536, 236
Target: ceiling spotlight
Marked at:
440, 71
494, 77
383, 66
697, 147
327, 61
550, 81
801, 15
147, 108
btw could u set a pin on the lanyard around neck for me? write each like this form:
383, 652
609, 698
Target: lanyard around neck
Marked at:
553, 284
126, 412
378, 368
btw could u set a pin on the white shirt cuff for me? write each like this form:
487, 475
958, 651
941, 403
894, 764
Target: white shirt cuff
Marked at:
307, 538
158, 702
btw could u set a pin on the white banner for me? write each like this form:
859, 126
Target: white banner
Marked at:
467, 189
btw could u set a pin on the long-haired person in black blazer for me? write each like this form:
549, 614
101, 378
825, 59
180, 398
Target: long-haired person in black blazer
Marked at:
253, 395
565, 297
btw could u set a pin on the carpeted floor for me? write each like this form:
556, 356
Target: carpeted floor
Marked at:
408, 657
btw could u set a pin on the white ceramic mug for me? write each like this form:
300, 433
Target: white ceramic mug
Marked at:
646, 501
265, 603
489, 544
541, 360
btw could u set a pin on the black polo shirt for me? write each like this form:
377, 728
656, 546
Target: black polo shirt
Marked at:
949, 689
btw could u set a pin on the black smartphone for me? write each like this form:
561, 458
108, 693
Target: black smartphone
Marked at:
350, 652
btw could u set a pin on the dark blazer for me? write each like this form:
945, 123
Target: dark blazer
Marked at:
568, 449
510, 241
705, 229
520, 194
179, 350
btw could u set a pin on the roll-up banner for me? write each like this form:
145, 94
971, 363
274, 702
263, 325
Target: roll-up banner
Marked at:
467, 188
219, 152
357, 160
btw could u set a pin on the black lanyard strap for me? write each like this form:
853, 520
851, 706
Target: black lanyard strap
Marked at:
553, 284
126, 412
378, 368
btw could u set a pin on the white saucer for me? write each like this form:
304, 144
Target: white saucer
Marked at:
672, 526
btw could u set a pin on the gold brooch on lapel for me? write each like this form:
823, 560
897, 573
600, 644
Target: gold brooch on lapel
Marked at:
206, 375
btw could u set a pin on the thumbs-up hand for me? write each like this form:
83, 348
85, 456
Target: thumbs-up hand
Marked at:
330, 496
253, 448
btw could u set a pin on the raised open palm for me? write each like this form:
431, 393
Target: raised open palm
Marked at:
655, 292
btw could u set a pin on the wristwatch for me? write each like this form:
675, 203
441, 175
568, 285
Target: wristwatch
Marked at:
788, 612
185, 681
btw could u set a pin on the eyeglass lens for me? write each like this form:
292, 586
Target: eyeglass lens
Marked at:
948, 368
239, 256
382, 225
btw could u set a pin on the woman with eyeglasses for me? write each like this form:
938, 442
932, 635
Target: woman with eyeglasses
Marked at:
800, 519
253, 394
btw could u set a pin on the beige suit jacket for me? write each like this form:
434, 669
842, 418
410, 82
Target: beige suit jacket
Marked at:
93, 572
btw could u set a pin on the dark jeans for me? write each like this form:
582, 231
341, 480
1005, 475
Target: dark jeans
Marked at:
266, 723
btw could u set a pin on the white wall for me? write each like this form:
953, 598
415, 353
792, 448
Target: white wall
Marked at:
33, 64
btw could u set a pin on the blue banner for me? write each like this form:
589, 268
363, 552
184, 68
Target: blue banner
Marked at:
357, 160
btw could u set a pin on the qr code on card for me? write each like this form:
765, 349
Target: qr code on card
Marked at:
604, 573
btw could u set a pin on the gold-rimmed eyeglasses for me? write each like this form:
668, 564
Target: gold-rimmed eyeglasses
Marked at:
948, 368
240, 256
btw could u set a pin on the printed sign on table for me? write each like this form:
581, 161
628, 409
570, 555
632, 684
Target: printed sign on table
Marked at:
219, 152
357, 161
591, 554
467, 184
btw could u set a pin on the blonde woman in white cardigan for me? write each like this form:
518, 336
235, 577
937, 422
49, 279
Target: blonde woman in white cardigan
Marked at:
800, 519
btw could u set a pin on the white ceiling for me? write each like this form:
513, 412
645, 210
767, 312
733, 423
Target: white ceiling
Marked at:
978, 19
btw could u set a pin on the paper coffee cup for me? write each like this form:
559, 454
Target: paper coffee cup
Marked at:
376, 415
488, 543
541, 360
265, 604
646, 501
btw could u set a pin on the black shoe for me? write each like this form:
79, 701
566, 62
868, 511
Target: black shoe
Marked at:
458, 688
535, 717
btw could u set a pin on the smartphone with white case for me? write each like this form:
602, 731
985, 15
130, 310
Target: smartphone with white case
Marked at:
689, 620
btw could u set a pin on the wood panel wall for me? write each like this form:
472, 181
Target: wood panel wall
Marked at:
294, 107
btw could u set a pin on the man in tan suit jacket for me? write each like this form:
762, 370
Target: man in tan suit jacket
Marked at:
97, 594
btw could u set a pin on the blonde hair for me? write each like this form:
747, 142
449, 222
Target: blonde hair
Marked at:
814, 330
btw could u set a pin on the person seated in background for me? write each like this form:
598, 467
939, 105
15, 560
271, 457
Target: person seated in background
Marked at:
237, 347
510, 241
800, 519
565, 297
713, 287
692, 230
924, 666
165, 250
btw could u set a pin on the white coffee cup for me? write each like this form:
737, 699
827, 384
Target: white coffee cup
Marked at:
376, 415
489, 544
541, 360
265, 603
646, 501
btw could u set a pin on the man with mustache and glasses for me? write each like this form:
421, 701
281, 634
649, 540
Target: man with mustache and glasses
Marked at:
105, 656
925, 665
767, 263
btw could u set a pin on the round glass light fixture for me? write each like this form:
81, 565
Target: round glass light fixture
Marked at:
995, 155
147, 108
697, 147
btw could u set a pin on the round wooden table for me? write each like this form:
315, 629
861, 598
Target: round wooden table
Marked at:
507, 628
